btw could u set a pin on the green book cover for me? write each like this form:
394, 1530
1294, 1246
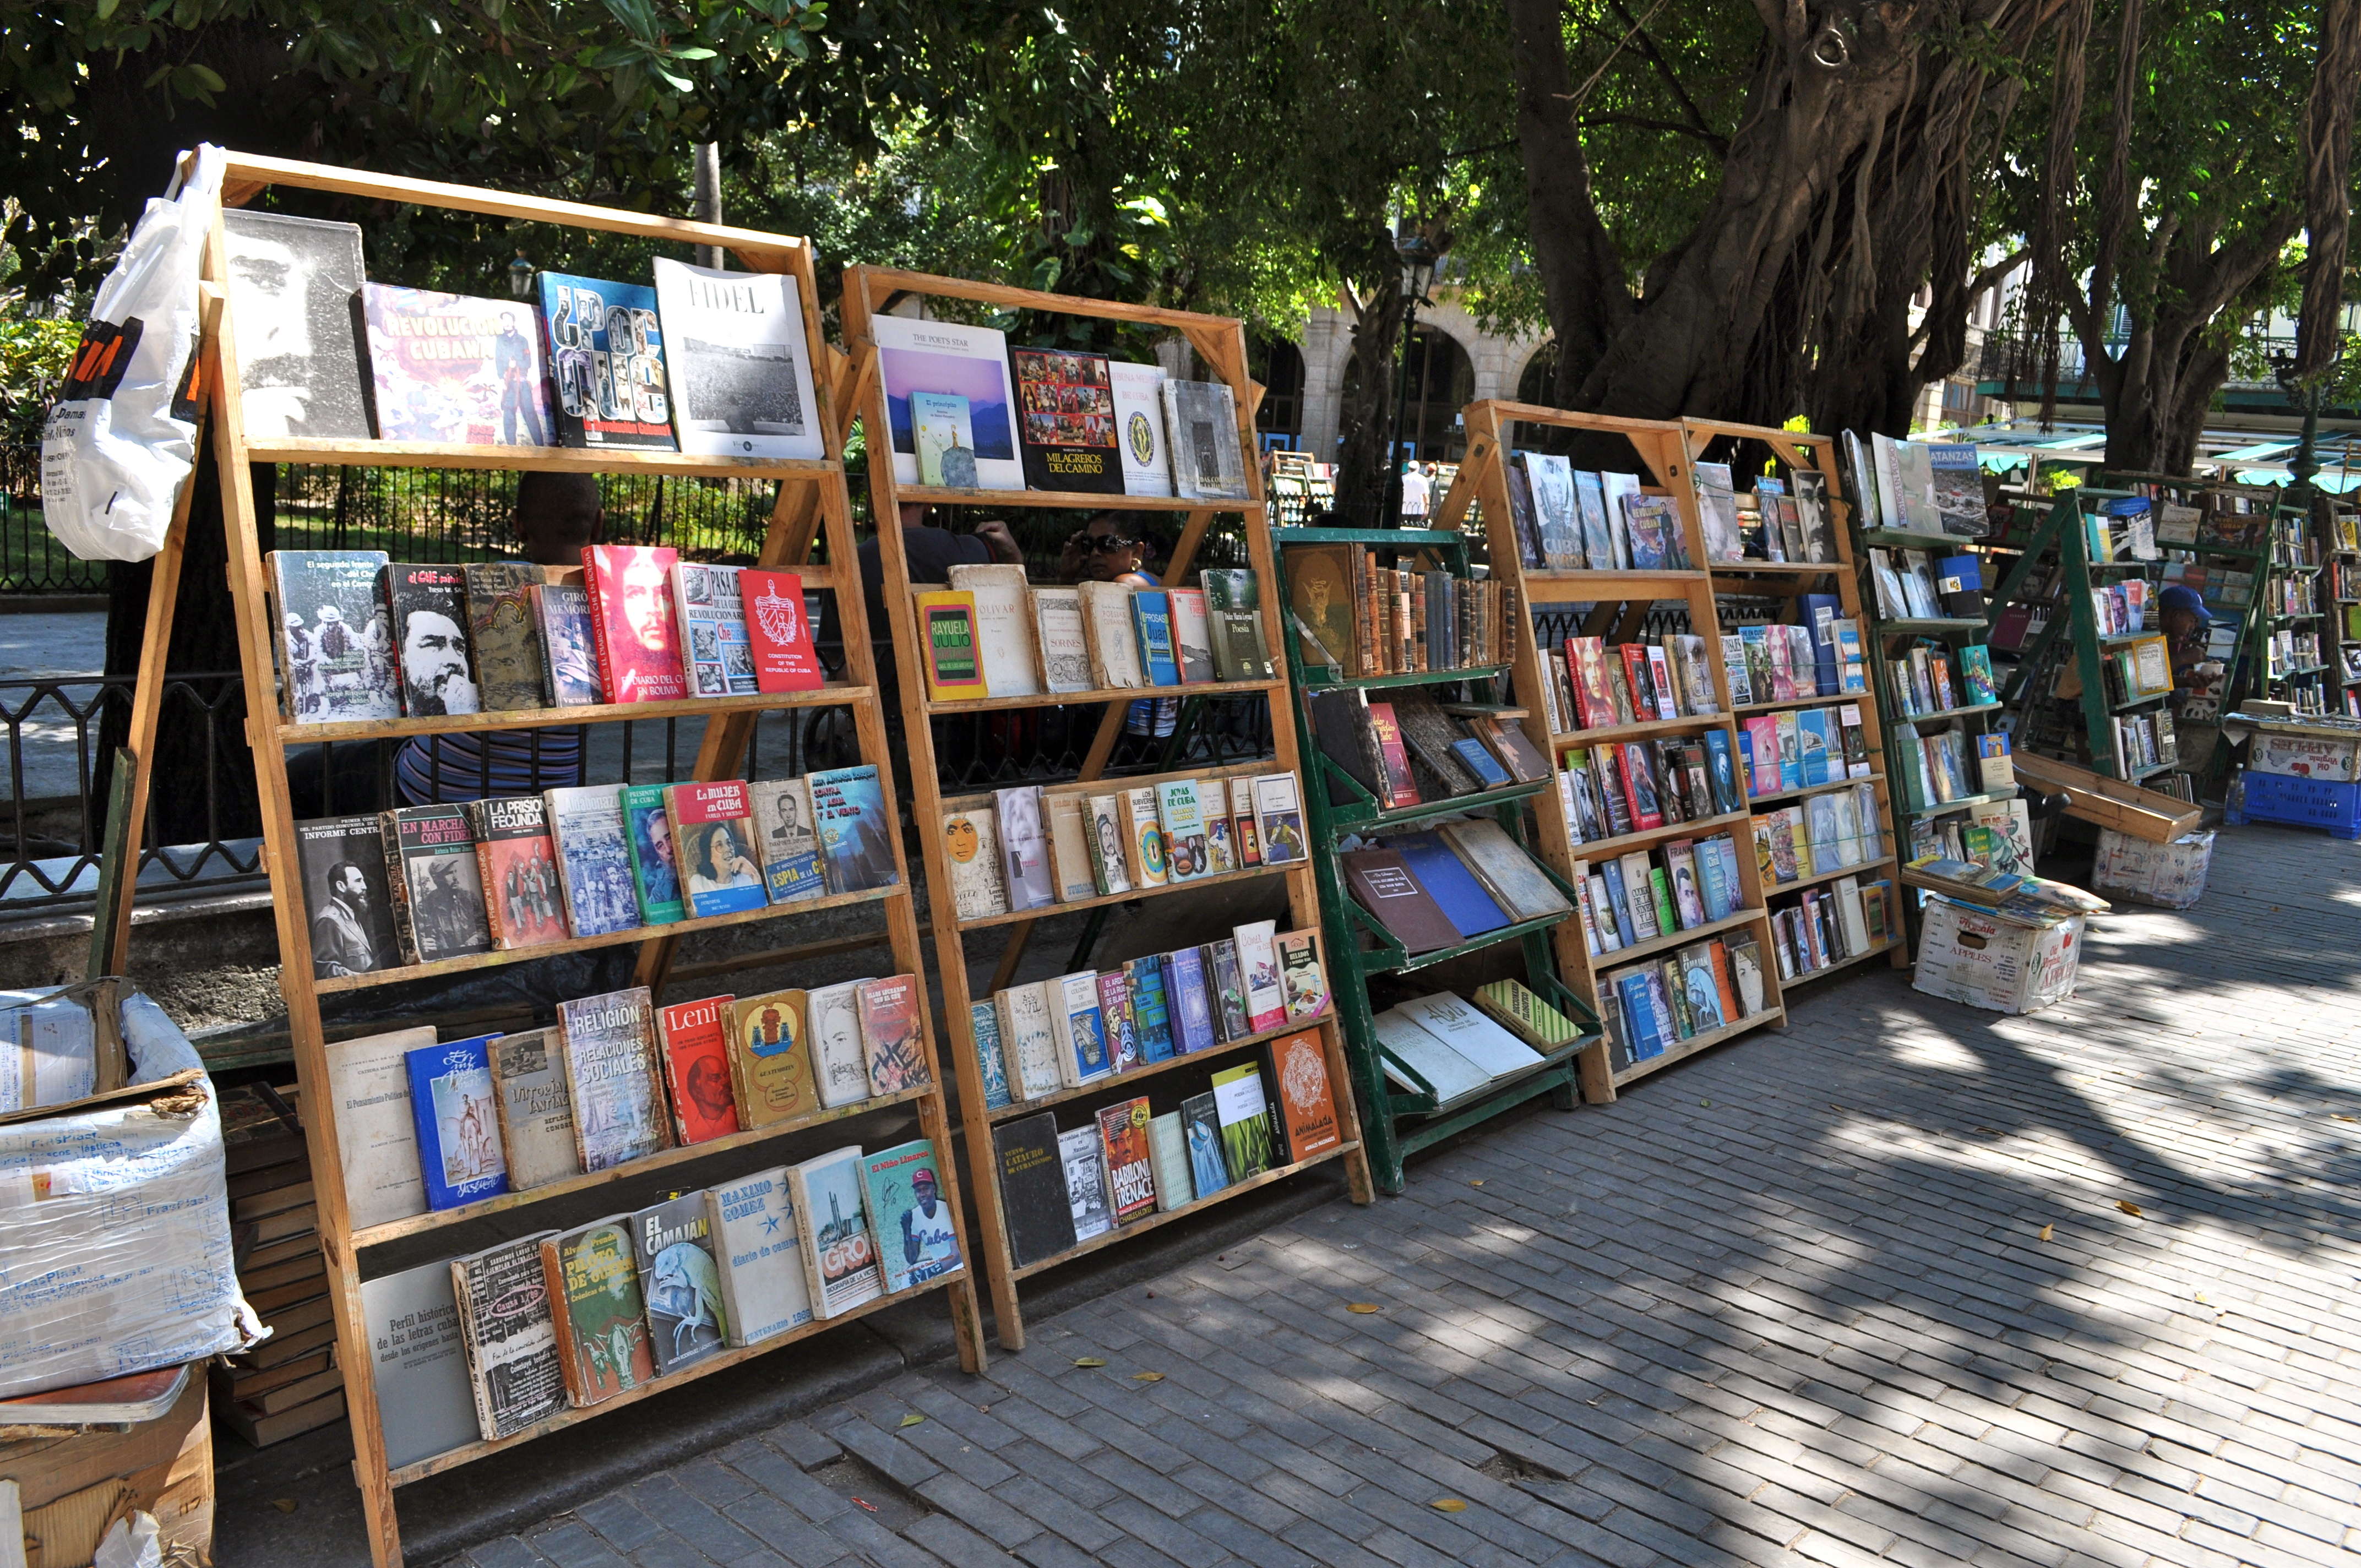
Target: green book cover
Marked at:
655, 870
1234, 614
1243, 1110
1662, 891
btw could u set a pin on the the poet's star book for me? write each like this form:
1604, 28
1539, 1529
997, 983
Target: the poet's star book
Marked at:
832, 1225
917, 1239
615, 1078
672, 1244
919, 359
459, 1126
428, 606
1033, 1205
1065, 423
695, 1037
606, 347
761, 1260
632, 617
736, 362
770, 1059
597, 1310
713, 841
1307, 1102
437, 886
418, 1359
504, 1319
778, 630
536, 1109
334, 657
368, 1081
503, 634
1131, 1171
518, 861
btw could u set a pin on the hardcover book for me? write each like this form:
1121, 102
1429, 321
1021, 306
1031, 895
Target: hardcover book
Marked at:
569, 645
778, 632
856, 845
718, 652
1066, 421
770, 1058
1380, 881
594, 867
838, 1252
917, 1239
504, 1319
1201, 420
504, 635
916, 358
452, 1108
1409, 1049
606, 350
655, 860
438, 888
1003, 626
1307, 1105
713, 829
601, 1318
892, 1039
695, 1037
1200, 1123
376, 1142
332, 632
1447, 881
736, 362
1084, 1160
1467, 1030
454, 369
517, 861
1064, 644
784, 839
1510, 874
946, 641
429, 609
840, 1053
535, 1111
758, 1257
1139, 428
341, 861
632, 617
292, 286
1033, 1204
1245, 1113
1192, 635
1234, 607
971, 845
991, 1060
672, 1246
613, 1076
418, 1357
1130, 1164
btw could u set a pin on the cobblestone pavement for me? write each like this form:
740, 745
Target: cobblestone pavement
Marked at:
1908, 1282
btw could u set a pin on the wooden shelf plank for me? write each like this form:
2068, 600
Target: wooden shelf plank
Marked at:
1109, 693
1773, 888
1165, 1217
1757, 802
1608, 733
1690, 1046
1588, 588
440, 1219
1104, 899
364, 453
1820, 700
1415, 678
1823, 973
1076, 500
1596, 848
616, 940
835, 693
1119, 1080
1776, 568
1668, 942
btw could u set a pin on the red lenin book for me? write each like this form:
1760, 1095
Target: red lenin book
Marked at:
779, 631
1400, 788
696, 1069
631, 611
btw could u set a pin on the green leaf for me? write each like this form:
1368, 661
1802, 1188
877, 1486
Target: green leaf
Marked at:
107, 8
701, 52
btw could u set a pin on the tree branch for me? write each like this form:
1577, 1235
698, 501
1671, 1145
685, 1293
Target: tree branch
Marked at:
1720, 145
1698, 126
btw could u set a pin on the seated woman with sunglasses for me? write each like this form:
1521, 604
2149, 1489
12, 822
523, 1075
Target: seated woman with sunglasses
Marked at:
1109, 548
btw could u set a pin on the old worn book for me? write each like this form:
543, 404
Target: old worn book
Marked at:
1508, 873
1527, 1017
839, 1054
594, 865
1146, 859
1084, 1160
504, 634
368, 1084
517, 861
1116, 1013
332, 635
347, 900
1382, 883
1033, 1204
452, 1108
569, 645
656, 862
1003, 626
418, 1359
437, 886
1107, 631
597, 1310
1203, 422
1024, 847
1070, 876
504, 1318
1229, 987
990, 1062
1460, 1025
713, 831
785, 839
1081, 1031
429, 609
759, 1257
918, 1238
613, 1074
1168, 1147
1130, 1166
971, 844
672, 1246
893, 1014
1061, 640
1407, 1048
948, 650
856, 833
1322, 607
536, 1111
694, 1038
770, 1058
1029, 1034
840, 1253
718, 654
1307, 1099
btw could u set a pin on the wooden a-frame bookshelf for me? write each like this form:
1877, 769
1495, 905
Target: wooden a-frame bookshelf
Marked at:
812, 505
1220, 343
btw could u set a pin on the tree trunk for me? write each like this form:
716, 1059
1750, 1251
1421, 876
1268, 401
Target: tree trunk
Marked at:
1364, 419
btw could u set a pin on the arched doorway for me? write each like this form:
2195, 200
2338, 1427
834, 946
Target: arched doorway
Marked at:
1278, 366
1538, 384
1442, 382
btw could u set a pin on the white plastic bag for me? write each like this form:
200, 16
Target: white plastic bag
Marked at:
122, 437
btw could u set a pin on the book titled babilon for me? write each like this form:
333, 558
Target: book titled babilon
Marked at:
451, 1106
456, 370
335, 652
606, 349
632, 617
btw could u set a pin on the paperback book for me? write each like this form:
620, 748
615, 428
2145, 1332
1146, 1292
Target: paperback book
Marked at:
695, 1039
759, 1258
712, 620
601, 1318
437, 884
536, 1112
917, 1239
713, 828
429, 605
655, 863
593, 864
770, 1058
454, 369
341, 861
614, 1076
518, 863
672, 1246
631, 618
606, 349
840, 1257
334, 645
784, 839
856, 847
504, 1318
503, 634
452, 1107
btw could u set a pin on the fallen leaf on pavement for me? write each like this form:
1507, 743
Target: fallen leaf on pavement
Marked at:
1360, 1306
1147, 1378
1478, 1182
1448, 1505
1090, 1361
2045, 1231
2129, 1207
284, 1504
912, 1420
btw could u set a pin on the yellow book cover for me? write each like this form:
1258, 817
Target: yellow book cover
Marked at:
947, 643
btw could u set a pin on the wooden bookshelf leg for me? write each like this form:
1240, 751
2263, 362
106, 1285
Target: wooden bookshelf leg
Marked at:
1597, 1077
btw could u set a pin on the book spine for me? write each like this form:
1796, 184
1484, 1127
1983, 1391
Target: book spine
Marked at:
598, 637
397, 890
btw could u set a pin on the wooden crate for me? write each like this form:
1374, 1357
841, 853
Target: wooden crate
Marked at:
72, 1484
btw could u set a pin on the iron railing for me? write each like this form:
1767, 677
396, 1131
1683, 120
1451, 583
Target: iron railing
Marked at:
2012, 361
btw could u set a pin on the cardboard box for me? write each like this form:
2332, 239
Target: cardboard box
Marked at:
1996, 961
2171, 876
72, 1484
2306, 756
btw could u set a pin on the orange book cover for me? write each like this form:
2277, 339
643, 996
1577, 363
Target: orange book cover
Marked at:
1307, 1100
518, 861
696, 1040
1730, 1010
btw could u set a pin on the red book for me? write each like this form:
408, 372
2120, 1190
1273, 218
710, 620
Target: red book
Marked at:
1586, 664
779, 631
1635, 675
522, 907
696, 1069
1638, 790
1307, 1105
1401, 789
1131, 1169
631, 614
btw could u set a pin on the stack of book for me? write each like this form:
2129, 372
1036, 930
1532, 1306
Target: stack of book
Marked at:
1919, 585
1651, 893
1926, 682
1799, 749
422, 883
2297, 594
1640, 786
1783, 662
1031, 847
1917, 486
1452, 883
1128, 1162
1936, 767
1567, 519
290, 1384
2145, 740
1070, 1032
1595, 685
2292, 652
2121, 607
1444, 1044
1774, 523
1413, 749
992, 634
1826, 832
1651, 1007
1353, 615
1831, 926
2137, 670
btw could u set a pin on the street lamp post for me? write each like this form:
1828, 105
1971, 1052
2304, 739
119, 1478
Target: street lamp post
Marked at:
1419, 255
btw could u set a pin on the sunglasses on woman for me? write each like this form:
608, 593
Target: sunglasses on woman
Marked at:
1105, 543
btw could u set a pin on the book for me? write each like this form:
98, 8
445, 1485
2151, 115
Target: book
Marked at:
1221, 838
1116, 1017
840, 1053
779, 631
944, 436
1065, 423
770, 1061
757, 1257
332, 635
428, 607
1201, 417
517, 866
1058, 631
1070, 873
569, 645
736, 362
971, 845
1229, 989
1242, 818
1245, 1113
503, 635
453, 368
452, 1109
1266, 998
341, 863
376, 1142
947, 643
504, 1321
600, 1319
990, 1059
606, 351
614, 1077
437, 886
1192, 635
1130, 1165
1167, 1146
1278, 820
918, 357
1234, 611
291, 283
1957, 481
1147, 858
1138, 394
633, 622
784, 839
1406, 1050
1024, 847
713, 831
1189, 995
1109, 864
1111, 637
1029, 1034
418, 1359
1464, 1028
1080, 1027
1380, 881
1200, 1124
1307, 1104
1187, 854
1004, 631
1653, 526
1557, 515
893, 1014
672, 1246
1083, 1158
840, 1253
594, 863
533, 1107
1302, 977
1527, 1017
1034, 1208
695, 1039
1508, 872
918, 1238
1151, 621
856, 836
716, 650
1446, 880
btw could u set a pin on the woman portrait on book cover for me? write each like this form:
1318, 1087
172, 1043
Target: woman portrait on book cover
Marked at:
720, 861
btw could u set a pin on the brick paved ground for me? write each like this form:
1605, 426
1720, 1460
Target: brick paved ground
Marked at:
1790, 1303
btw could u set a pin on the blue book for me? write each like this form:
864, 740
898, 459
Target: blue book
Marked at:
1639, 1016
1620, 901
1192, 1004
1719, 768
1150, 1015
1668, 1022
452, 1109
1818, 612
1151, 617
1449, 883
1821, 748
991, 1061
605, 343
1713, 886
1482, 763
856, 840
1725, 848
